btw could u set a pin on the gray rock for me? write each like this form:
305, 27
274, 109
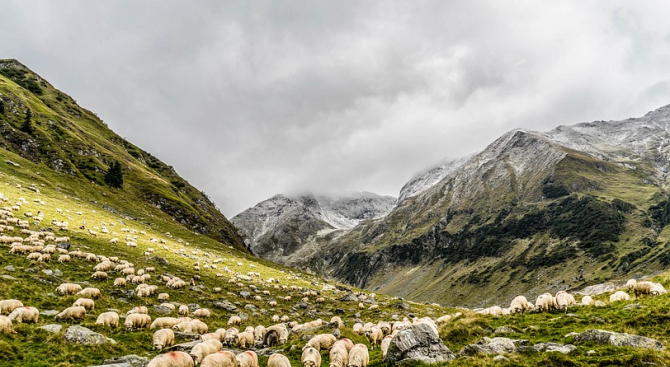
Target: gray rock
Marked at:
63, 245
401, 305
224, 305
632, 306
548, 347
49, 313
500, 358
193, 306
243, 315
506, 330
350, 297
179, 335
249, 306
47, 272
418, 343
245, 294
183, 347
594, 290
302, 305
81, 335
486, 345
58, 273
618, 339
9, 268
126, 361
160, 260
52, 328
162, 310
7, 277
339, 311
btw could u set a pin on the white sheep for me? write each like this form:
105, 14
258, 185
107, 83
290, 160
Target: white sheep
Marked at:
374, 336
386, 342
164, 322
278, 360
163, 338
358, 356
619, 296
234, 320
8, 305
172, 359
25, 314
68, 289
221, 359
108, 319
87, 303
72, 313
204, 349
136, 321
564, 300
202, 312
648, 288
245, 340
588, 301
321, 342
247, 359
183, 310
545, 302
519, 305
93, 293
338, 356
6, 325
311, 357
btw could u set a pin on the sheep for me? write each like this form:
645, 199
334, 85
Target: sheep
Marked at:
8, 305
108, 319
221, 359
245, 340
87, 303
563, 300
647, 288
373, 308
358, 328
630, 283
258, 335
136, 321
272, 304
202, 312
440, 320
234, 320
545, 302
68, 289
619, 296
230, 336
311, 357
321, 342
336, 322
168, 305
275, 318
386, 342
358, 356
519, 305
374, 336
93, 293
6, 325
163, 297
138, 309
164, 322
163, 338
25, 314
72, 313
588, 301
385, 326
172, 359
278, 360
64, 258
338, 356
247, 359
204, 349
183, 310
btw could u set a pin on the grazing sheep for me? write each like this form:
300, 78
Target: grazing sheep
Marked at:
278, 360
358, 356
163, 338
201, 350
545, 302
345, 342
67, 289
120, 282
9, 305
72, 313
648, 288
136, 321
93, 293
202, 312
338, 356
588, 301
221, 359
6, 325
440, 320
245, 340
64, 258
374, 336
619, 296
311, 357
259, 331
25, 314
87, 303
234, 320
336, 322
273, 304
271, 338
138, 309
563, 300
230, 337
163, 297
172, 359
168, 305
358, 328
247, 359
164, 322
630, 283
385, 345
321, 342
108, 319
519, 305
183, 310
275, 319
374, 308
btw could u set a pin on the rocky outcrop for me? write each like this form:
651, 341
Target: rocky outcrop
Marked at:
618, 339
126, 361
81, 335
501, 346
418, 343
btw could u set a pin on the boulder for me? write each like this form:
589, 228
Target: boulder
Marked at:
618, 339
162, 310
10, 268
245, 294
183, 347
418, 343
486, 345
81, 335
548, 347
192, 307
224, 305
350, 297
52, 328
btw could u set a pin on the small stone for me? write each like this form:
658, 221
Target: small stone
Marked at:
339, 311
249, 306
193, 306
129, 361
47, 272
7, 277
506, 330
52, 328
245, 294
10, 268
49, 313
590, 352
571, 315
58, 273
632, 306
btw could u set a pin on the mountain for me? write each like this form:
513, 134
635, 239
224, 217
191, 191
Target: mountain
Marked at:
284, 228
47, 127
534, 211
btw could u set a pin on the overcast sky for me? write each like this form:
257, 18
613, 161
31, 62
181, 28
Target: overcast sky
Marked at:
248, 99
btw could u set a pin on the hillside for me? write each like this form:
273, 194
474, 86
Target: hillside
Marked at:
558, 210
286, 229
62, 137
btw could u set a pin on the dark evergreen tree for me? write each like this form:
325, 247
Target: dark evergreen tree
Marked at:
27, 126
2, 107
114, 176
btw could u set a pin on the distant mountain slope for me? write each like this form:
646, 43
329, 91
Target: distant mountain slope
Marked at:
279, 228
66, 138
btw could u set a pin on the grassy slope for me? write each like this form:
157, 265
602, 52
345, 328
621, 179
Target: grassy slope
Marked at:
69, 139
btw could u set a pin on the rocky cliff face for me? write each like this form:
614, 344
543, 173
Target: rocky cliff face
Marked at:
284, 228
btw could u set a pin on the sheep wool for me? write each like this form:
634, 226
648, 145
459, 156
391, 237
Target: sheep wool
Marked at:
6, 325
247, 359
359, 357
108, 319
222, 359
311, 357
25, 315
163, 338
201, 350
278, 360
172, 359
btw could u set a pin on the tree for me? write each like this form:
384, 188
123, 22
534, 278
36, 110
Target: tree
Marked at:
27, 126
114, 176
2, 107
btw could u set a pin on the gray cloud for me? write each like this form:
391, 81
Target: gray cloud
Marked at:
249, 99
